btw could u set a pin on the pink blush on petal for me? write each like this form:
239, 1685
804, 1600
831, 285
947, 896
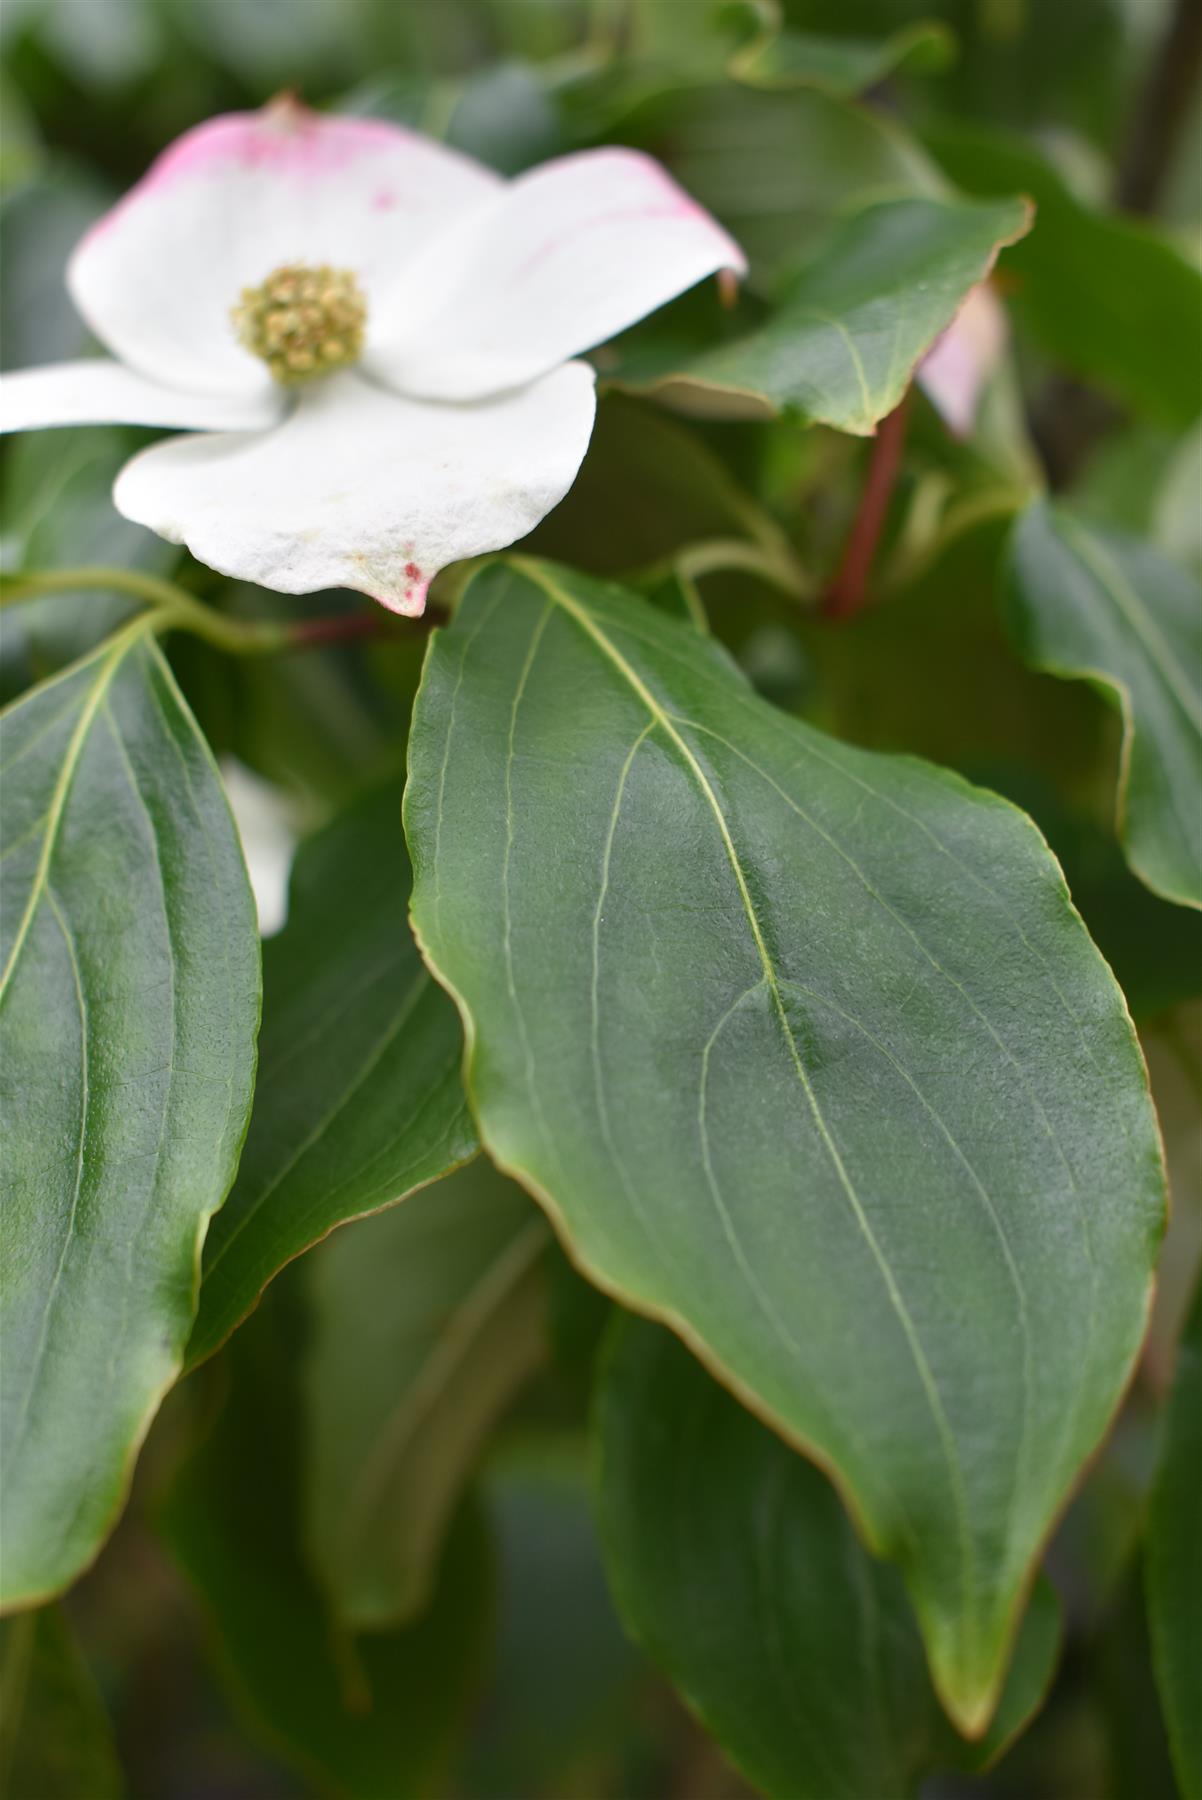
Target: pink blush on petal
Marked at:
956, 368
290, 140
284, 138
410, 602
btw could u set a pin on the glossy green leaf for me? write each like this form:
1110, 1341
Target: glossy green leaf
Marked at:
738, 1571
56, 1742
843, 343
1113, 298
807, 1054
427, 1321
1110, 611
129, 1002
359, 1099
366, 1718
842, 66
1174, 1562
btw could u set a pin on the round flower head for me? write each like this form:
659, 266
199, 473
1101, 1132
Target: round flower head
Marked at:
303, 322
371, 337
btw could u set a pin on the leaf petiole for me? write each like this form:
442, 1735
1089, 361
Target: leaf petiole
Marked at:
169, 603
172, 608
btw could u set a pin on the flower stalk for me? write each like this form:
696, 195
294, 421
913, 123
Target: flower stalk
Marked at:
847, 593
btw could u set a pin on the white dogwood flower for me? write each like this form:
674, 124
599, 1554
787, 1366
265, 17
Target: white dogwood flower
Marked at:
371, 336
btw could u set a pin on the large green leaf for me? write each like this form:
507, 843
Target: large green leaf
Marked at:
808, 1055
737, 1570
1114, 299
843, 343
1110, 611
370, 1718
1174, 1562
56, 1742
129, 1002
359, 1099
427, 1320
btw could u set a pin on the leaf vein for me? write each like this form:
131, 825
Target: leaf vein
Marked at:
558, 596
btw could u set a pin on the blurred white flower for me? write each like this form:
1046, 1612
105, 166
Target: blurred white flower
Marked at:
268, 839
954, 372
373, 334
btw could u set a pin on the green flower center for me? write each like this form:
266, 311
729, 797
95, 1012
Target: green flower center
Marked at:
302, 321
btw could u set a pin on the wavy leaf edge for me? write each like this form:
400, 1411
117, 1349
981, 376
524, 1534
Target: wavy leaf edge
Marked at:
971, 1721
142, 629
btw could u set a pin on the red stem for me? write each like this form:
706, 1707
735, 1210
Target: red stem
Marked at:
847, 592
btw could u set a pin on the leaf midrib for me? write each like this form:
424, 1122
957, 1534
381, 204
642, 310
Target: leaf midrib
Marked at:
559, 596
16, 1427
105, 674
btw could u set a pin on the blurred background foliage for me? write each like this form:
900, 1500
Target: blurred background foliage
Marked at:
198, 1658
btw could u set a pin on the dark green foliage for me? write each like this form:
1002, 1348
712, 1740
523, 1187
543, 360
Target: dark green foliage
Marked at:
730, 910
